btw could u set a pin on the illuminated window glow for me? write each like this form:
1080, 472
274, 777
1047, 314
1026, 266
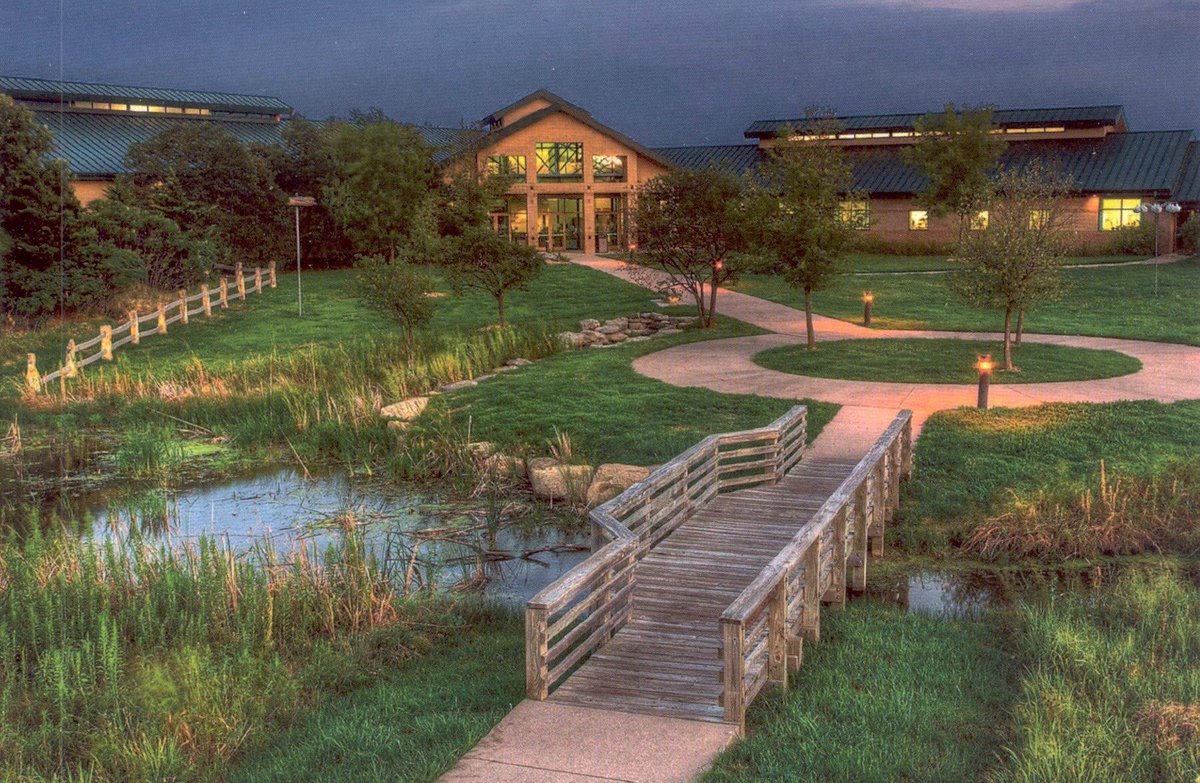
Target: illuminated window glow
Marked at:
918, 220
1118, 212
506, 164
856, 214
979, 221
140, 107
1038, 218
559, 161
608, 168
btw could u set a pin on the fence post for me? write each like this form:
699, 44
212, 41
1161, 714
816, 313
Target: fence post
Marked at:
183, 313
224, 293
858, 574
241, 281
162, 320
33, 381
536, 663
135, 335
835, 595
810, 607
258, 279
734, 656
206, 300
777, 635
106, 343
69, 368
271, 274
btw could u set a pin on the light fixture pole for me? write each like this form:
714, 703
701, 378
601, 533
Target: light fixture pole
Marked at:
984, 365
299, 202
1157, 208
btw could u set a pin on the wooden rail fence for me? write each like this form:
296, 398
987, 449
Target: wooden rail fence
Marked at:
707, 576
131, 331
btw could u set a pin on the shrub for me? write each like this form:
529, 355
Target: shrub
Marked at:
1133, 240
865, 243
1189, 234
397, 289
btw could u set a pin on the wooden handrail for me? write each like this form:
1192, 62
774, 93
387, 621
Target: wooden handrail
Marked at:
762, 630
574, 616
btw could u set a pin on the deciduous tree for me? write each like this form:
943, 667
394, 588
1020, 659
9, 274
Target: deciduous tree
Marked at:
481, 260
796, 223
1016, 262
958, 152
688, 223
396, 288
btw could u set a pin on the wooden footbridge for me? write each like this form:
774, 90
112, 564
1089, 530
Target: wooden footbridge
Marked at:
709, 575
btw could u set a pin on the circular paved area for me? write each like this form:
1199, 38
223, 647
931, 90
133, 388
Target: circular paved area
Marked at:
1169, 373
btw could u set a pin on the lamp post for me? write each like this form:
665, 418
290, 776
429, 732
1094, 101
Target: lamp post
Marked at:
299, 202
1157, 208
868, 300
984, 365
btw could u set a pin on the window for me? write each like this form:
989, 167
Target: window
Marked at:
918, 220
608, 168
1038, 218
559, 161
506, 164
979, 221
510, 218
856, 214
1118, 212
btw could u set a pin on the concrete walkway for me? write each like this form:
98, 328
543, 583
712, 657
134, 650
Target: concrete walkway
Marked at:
1169, 373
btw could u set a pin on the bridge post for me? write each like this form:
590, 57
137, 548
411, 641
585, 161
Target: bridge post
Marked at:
536, 665
858, 559
895, 458
877, 522
777, 642
835, 594
734, 697
810, 610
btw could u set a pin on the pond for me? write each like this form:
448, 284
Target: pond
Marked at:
475, 544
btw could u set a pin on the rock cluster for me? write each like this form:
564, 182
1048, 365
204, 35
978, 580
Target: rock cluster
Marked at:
634, 328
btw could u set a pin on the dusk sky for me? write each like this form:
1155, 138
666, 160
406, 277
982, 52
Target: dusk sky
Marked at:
664, 72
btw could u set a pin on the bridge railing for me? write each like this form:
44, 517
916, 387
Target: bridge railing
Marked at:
763, 630
573, 617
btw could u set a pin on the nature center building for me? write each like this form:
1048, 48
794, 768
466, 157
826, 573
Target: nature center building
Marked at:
575, 179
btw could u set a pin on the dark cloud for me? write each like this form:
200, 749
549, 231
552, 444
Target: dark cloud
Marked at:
665, 72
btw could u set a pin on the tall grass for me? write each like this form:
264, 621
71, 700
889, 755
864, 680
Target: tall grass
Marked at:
1113, 688
1107, 516
123, 661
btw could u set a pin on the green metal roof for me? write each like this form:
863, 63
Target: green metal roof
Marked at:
734, 158
52, 90
1074, 116
1149, 162
1187, 190
95, 144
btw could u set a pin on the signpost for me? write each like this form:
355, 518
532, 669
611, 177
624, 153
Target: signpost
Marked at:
299, 202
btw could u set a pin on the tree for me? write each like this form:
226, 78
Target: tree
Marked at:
37, 206
397, 289
794, 212
200, 176
1016, 262
688, 223
481, 260
167, 257
958, 153
384, 171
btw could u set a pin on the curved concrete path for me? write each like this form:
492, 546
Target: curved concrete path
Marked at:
1170, 372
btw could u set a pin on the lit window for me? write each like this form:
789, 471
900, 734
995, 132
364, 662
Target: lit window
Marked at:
1038, 218
1118, 212
918, 220
856, 214
506, 164
118, 106
559, 161
138, 107
608, 168
158, 109
979, 221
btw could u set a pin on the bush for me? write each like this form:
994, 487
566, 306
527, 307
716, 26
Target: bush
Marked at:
1189, 234
396, 289
865, 243
1133, 240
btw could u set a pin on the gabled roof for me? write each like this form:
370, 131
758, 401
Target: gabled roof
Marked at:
540, 94
558, 105
52, 90
1071, 116
733, 158
1187, 190
95, 144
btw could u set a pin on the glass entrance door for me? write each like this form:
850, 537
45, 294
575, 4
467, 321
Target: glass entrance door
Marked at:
560, 223
610, 223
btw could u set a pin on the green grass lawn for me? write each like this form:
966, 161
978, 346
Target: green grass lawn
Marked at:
611, 413
966, 461
411, 725
944, 361
1115, 302
884, 696
865, 264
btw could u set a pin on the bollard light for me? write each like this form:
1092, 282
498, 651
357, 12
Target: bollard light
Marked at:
984, 365
868, 300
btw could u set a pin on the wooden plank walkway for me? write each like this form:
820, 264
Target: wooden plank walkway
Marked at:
715, 570
666, 660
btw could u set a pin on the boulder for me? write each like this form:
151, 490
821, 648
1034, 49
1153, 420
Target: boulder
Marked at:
503, 465
405, 410
572, 339
449, 387
552, 480
518, 362
620, 323
637, 332
593, 336
610, 329
617, 337
588, 324
611, 480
